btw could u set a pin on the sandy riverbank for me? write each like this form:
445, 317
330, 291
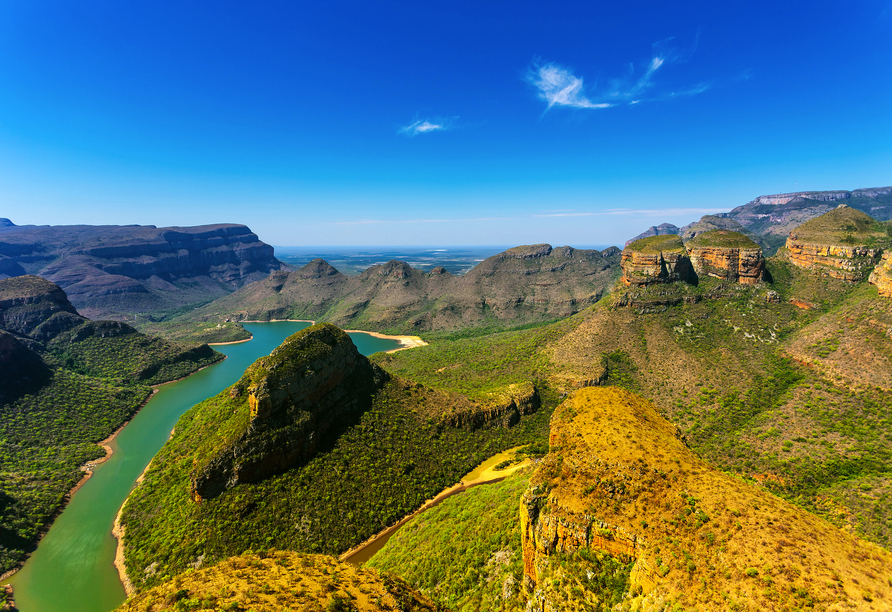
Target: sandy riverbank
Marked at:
233, 342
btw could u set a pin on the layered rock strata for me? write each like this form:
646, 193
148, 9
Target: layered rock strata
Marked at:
728, 256
882, 275
656, 259
844, 243
620, 494
503, 410
291, 401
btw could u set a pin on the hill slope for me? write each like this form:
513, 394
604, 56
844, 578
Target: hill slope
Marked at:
66, 383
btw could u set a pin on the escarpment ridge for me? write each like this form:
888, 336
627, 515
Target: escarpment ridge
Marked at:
620, 482
117, 270
522, 285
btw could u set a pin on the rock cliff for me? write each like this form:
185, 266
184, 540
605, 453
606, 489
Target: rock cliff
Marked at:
291, 401
35, 307
882, 275
844, 243
657, 259
727, 255
621, 495
125, 269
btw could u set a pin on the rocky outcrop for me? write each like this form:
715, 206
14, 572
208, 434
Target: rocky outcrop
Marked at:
503, 410
657, 259
882, 275
292, 400
844, 243
621, 495
728, 256
137, 268
35, 307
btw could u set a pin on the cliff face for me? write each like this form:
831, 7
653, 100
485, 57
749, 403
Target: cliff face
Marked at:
848, 263
119, 269
35, 307
290, 401
657, 259
882, 275
621, 495
843, 243
727, 255
522, 285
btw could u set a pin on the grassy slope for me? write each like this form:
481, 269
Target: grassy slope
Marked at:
722, 238
658, 244
434, 554
384, 464
281, 581
97, 384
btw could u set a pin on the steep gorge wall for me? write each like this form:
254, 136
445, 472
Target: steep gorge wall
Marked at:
882, 275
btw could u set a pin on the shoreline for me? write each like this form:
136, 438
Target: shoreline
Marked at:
88, 468
487, 476
406, 342
233, 342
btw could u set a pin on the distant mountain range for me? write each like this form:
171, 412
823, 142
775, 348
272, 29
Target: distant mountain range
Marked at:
112, 270
769, 218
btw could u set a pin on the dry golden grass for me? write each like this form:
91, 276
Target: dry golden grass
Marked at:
279, 581
710, 541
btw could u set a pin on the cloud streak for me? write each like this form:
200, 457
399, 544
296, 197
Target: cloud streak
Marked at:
425, 126
558, 86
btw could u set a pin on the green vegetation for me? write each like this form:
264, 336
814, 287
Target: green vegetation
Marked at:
100, 374
669, 243
722, 238
384, 464
465, 553
844, 225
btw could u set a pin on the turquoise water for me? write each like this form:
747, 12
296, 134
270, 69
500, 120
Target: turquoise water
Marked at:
72, 569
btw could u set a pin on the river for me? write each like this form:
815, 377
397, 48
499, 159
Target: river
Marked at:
72, 569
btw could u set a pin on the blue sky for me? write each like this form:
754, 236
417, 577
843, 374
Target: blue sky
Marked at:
363, 123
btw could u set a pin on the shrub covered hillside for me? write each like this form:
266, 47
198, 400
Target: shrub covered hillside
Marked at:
279, 581
66, 383
255, 467
465, 553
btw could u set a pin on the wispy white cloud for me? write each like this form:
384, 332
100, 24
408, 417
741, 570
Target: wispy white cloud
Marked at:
559, 86
425, 126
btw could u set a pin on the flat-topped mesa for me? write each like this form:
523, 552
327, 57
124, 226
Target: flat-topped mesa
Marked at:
656, 259
882, 275
844, 243
621, 495
727, 255
288, 404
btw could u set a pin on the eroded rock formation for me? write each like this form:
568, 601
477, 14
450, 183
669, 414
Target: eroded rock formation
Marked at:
882, 275
290, 402
727, 255
656, 259
844, 243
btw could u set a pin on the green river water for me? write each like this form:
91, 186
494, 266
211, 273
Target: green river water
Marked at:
72, 569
